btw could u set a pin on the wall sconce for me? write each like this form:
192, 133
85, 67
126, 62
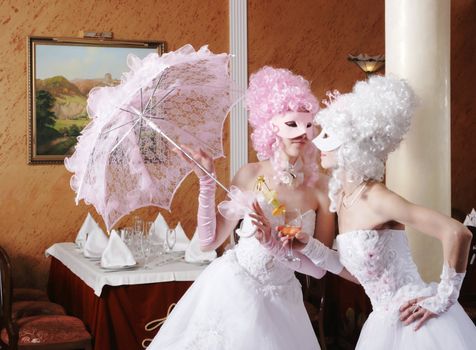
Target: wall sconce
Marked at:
369, 64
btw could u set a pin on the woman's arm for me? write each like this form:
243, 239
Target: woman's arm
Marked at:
321, 255
212, 228
454, 236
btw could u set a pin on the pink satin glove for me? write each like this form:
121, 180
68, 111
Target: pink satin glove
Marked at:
206, 215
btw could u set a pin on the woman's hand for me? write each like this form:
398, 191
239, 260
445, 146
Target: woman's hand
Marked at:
203, 158
263, 232
411, 312
300, 239
263, 226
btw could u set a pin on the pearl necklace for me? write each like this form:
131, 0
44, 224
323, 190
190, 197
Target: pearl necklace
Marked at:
362, 186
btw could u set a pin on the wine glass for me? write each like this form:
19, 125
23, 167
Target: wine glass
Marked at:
126, 235
292, 226
146, 249
170, 239
149, 228
138, 225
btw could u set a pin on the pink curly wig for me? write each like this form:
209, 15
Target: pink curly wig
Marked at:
274, 91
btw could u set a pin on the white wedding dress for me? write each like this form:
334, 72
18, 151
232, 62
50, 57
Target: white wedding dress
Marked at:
245, 300
381, 261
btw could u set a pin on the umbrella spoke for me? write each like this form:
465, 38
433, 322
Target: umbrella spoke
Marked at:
163, 98
119, 126
134, 113
141, 106
155, 89
125, 135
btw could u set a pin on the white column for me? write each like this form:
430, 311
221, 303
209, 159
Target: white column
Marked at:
239, 73
417, 48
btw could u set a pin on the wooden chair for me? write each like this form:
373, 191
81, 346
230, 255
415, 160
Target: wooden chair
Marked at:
314, 302
32, 302
41, 332
467, 297
29, 294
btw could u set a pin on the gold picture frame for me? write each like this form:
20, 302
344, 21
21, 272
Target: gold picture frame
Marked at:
61, 72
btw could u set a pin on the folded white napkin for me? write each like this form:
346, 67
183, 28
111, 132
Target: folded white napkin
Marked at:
470, 219
95, 244
182, 242
160, 229
116, 253
194, 254
88, 226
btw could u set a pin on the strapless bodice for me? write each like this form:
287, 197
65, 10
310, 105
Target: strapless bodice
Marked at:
381, 261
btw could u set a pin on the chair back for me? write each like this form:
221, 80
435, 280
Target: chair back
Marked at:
6, 295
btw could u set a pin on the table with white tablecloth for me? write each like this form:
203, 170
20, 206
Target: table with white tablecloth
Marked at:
121, 308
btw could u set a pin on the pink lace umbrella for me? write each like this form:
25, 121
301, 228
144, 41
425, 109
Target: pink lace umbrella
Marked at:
124, 159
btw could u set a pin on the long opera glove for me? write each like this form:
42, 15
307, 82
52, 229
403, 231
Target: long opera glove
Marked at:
447, 293
303, 265
206, 215
322, 256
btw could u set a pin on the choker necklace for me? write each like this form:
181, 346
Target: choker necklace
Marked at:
289, 174
362, 186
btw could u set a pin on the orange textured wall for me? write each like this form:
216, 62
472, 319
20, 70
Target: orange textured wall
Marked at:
36, 202
313, 39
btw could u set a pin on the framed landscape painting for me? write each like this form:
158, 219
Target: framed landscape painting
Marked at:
61, 72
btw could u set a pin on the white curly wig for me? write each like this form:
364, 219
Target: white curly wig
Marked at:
371, 121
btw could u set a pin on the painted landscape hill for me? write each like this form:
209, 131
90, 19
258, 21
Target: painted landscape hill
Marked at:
71, 96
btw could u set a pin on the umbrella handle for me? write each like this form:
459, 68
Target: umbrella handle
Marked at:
202, 168
156, 128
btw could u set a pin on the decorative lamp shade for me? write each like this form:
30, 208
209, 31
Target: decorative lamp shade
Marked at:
369, 64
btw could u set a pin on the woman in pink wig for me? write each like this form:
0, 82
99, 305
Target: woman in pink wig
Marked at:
250, 298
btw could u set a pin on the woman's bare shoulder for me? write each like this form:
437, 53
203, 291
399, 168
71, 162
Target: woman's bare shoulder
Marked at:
247, 175
378, 189
378, 195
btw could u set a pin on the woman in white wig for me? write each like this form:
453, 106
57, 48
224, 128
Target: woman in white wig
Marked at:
359, 130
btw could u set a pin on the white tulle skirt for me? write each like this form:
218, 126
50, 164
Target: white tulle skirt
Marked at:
228, 309
452, 330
